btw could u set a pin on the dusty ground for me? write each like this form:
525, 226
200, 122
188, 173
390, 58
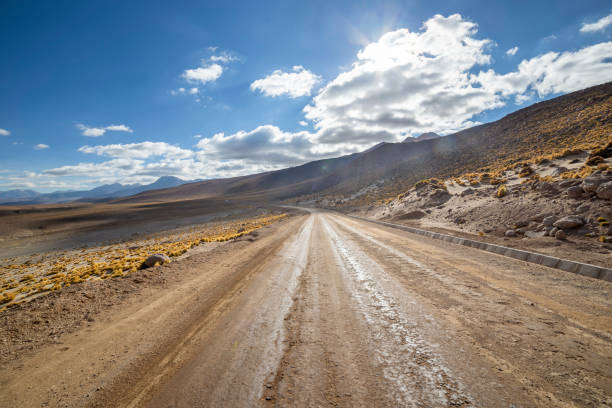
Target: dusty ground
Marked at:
40, 228
321, 310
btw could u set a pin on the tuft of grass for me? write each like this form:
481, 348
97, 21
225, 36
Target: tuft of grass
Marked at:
502, 191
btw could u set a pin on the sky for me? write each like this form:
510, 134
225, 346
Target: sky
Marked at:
98, 92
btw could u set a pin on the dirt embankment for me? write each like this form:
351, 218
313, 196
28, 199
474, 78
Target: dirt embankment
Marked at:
525, 215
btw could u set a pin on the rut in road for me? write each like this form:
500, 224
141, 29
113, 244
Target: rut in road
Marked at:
352, 341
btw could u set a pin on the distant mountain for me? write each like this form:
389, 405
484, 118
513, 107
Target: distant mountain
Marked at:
18, 195
102, 192
565, 122
424, 136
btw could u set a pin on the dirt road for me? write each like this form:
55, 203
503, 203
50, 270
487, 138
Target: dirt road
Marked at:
324, 310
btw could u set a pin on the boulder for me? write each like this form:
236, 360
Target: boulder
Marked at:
553, 231
510, 233
560, 234
549, 221
604, 191
569, 222
156, 259
590, 184
574, 192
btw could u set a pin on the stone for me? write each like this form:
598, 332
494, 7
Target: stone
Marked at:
467, 191
156, 259
560, 234
510, 233
549, 189
553, 231
590, 184
574, 192
549, 221
558, 171
568, 183
604, 191
584, 207
534, 234
569, 222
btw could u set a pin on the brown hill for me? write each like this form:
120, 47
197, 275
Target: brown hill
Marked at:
579, 120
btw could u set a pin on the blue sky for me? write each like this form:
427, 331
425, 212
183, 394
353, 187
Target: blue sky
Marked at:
99, 92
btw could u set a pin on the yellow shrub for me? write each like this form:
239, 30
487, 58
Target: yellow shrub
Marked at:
502, 191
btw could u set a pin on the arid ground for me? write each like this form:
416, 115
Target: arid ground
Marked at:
316, 310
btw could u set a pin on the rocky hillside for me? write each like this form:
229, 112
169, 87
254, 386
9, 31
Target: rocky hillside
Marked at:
578, 121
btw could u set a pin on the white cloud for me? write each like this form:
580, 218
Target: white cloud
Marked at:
4, 132
553, 73
99, 131
303, 123
294, 84
141, 150
203, 74
599, 25
512, 51
41, 146
408, 83
197, 136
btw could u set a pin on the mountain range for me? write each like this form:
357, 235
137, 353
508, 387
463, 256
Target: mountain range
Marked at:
576, 120
103, 192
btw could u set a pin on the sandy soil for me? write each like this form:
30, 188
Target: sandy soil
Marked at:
324, 310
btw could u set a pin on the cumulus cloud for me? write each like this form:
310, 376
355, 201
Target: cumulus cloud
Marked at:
303, 123
141, 150
41, 146
599, 25
512, 51
297, 83
4, 132
99, 131
553, 73
203, 74
264, 148
436, 79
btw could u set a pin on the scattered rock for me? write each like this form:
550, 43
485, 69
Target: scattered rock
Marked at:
571, 221
549, 189
156, 259
534, 234
560, 234
584, 207
510, 233
467, 191
591, 183
553, 231
549, 221
574, 192
558, 171
569, 183
604, 191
